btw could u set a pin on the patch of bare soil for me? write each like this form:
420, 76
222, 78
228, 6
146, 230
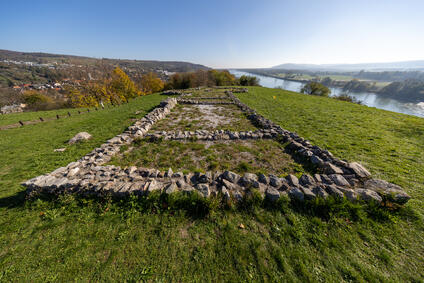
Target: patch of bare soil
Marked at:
205, 117
241, 156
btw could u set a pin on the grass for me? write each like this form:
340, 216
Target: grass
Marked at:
259, 156
14, 118
28, 151
94, 240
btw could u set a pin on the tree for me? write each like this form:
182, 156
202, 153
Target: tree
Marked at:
327, 81
151, 83
315, 88
200, 78
122, 85
248, 81
223, 78
119, 87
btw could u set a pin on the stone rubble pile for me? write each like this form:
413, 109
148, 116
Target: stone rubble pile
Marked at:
337, 178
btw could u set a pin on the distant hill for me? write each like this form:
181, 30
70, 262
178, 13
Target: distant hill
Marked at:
389, 66
147, 65
17, 68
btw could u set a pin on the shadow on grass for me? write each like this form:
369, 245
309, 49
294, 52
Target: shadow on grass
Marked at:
195, 206
13, 201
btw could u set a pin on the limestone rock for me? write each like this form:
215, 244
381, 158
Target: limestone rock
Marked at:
231, 177
274, 181
178, 175
306, 180
392, 192
369, 195
204, 178
153, 186
359, 170
73, 172
169, 173
80, 137
330, 168
230, 186
350, 194
237, 196
169, 189
320, 192
203, 189
250, 178
225, 194
284, 185
308, 194
316, 160
296, 194
293, 180
263, 179
272, 194
339, 180
333, 191
317, 178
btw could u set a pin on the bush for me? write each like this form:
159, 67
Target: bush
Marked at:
40, 101
248, 81
201, 78
32, 97
150, 83
345, 97
315, 88
115, 90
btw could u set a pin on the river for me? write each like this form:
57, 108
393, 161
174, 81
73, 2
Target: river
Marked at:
367, 98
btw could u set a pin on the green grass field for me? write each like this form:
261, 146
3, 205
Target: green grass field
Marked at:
87, 240
14, 118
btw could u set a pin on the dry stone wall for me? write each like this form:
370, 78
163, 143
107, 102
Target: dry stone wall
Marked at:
194, 101
213, 135
336, 178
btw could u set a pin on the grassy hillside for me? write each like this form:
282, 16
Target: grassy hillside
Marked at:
68, 239
389, 144
14, 118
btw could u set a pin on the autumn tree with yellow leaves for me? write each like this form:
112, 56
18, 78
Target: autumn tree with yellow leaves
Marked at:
151, 83
114, 90
122, 86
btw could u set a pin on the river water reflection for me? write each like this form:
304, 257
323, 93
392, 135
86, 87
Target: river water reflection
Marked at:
367, 98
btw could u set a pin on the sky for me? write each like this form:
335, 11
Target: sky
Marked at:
219, 33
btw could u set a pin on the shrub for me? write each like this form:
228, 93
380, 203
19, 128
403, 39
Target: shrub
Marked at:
248, 81
150, 83
115, 90
32, 97
315, 88
200, 78
38, 101
345, 97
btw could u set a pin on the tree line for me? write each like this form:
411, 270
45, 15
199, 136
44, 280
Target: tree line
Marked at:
208, 78
116, 87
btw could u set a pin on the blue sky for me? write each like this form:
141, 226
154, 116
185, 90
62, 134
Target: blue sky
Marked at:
230, 33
